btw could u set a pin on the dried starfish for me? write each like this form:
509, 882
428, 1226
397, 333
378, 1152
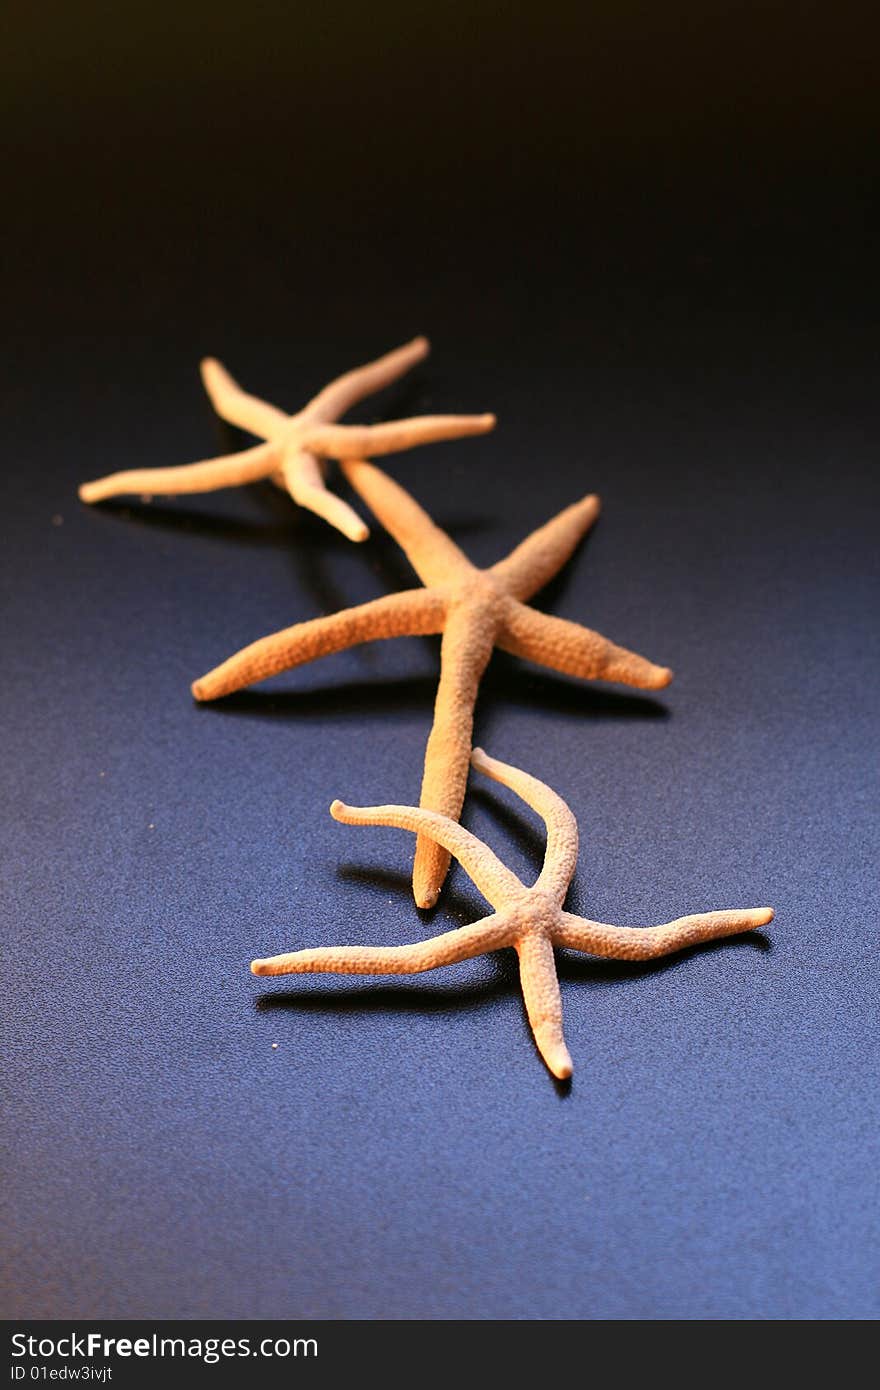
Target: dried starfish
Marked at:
531, 920
476, 610
297, 445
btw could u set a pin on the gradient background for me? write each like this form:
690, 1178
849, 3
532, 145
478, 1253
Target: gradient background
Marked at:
643, 235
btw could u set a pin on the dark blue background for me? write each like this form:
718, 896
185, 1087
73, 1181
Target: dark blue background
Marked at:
646, 242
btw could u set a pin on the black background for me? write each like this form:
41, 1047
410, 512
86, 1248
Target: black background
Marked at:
642, 234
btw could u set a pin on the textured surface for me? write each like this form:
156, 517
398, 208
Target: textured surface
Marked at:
677, 313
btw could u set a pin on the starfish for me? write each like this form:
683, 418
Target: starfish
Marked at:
531, 920
296, 446
476, 610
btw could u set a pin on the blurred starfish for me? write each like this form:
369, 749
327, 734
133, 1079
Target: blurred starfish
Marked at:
476, 610
297, 445
531, 920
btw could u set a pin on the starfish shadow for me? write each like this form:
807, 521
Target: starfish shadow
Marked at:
354, 697
513, 684
356, 997
425, 1000
163, 517
528, 838
458, 905
305, 537
522, 684
401, 999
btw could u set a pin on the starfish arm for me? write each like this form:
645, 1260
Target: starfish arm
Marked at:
495, 881
489, 934
334, 400
540, 986
233, 470
646, 943
542, 554
368, 441
560, 858
435, 558
413, 613
575, 650
303, 477
237, 406
464, 654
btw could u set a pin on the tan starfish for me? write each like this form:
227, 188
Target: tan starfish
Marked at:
297, 445
476, 610
531, 920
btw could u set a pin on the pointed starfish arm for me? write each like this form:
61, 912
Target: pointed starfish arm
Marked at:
410, 614
229, 471
237, 406
368, 441
303, 477
464, 655
560, 858
646, 943
542, 554
353, 386
495, 881
575, 650
489, 934
540, 986
435, 558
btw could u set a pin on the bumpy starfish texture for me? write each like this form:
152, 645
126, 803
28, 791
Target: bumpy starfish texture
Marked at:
297, 445
531, 920
476, 611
